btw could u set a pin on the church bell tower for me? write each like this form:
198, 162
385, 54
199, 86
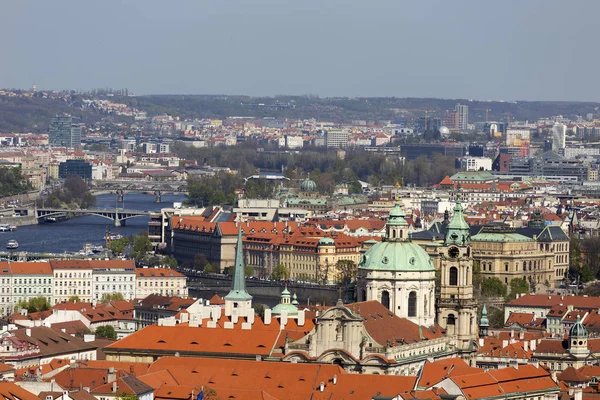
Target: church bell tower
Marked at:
457, 308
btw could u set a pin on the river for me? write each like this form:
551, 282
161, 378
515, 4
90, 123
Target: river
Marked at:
73, 234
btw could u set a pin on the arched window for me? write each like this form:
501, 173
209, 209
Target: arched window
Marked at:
412, 304
385, 299
524, 265
453, 276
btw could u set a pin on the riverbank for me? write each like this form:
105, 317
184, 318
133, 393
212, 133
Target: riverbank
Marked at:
19, 221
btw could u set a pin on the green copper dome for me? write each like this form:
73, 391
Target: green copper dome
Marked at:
285, 305
326, 241
397, 216
308, 186
396, 256
578, 330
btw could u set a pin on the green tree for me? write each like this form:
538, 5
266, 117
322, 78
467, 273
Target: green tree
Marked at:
13, 182
125, 396
35, 304
345, 271
170, 262
74, 299
259, 309
208, 268
118, 246
141, 246
106, 332
496, 317
493, 287
115, 296
200, 261
280, 272
248, 271
587, 275
518, 286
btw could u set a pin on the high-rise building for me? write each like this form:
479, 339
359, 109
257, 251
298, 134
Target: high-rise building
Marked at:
559, 135
462, 116
64, 133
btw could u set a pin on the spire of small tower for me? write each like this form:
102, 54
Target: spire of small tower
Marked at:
484, 323
238, 283
396, 226
457, 231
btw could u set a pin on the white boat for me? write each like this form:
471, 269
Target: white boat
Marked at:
12, 244
113, 236
4, 228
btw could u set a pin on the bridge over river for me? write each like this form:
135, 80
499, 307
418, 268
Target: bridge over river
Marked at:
118, 216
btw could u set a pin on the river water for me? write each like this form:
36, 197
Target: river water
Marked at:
73, 234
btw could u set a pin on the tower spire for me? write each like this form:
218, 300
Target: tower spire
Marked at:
238, 297
457, 231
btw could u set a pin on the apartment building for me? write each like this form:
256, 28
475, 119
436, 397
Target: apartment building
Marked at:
31, 279
118, 276
163, 281
72, 278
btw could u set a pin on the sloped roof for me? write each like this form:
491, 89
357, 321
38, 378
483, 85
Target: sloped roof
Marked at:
385, 326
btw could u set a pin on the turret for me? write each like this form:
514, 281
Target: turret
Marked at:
484, 323
578, 337
396, 228
457, 231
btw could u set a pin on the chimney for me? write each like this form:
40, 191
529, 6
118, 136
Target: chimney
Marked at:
301, 318
322, 386
526, 345
28, 332
267, 317
65, 395
115, 387
111, 376
521, 335
532, 344
504, 343
578, 393
512, 333
283, 319
481, 342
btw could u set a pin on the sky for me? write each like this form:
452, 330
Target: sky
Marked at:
469, 49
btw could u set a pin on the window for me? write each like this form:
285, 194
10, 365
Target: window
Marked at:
412, 303
385, 299
506, 267
453, 276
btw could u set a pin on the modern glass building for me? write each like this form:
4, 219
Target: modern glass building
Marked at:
64, 133
80, 168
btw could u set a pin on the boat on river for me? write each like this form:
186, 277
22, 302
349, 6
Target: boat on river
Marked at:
4, 228
12, 244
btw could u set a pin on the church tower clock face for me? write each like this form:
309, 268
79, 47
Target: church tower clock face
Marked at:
453, 252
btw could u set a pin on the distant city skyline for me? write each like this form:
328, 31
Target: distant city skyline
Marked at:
467, 49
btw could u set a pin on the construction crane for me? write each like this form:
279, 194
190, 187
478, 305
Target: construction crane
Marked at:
487, 110
424, 111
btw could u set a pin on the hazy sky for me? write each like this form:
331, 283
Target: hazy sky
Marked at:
480, 49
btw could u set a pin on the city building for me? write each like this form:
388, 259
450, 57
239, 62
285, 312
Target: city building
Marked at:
72, 279
336, 139
462, 116
118, 276
163, 281
470, 163
29, 280
559, 136
80, 168
63, 132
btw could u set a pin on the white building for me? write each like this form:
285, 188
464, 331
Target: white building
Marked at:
72, 278
559, 136
116, 276
163, 281
31, 279
6, 302
336, 138
470, 163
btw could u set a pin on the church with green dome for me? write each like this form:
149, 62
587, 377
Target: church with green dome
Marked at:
399, 274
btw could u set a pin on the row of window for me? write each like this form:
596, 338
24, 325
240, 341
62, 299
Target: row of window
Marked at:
72, 275
114, 279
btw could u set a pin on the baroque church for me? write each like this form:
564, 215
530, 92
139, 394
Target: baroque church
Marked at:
397, 324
